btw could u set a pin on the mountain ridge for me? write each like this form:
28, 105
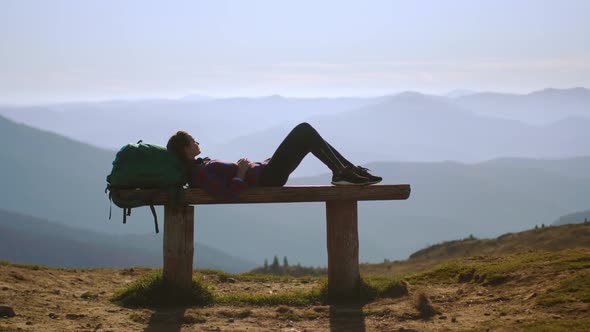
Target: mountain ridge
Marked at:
29, 240
58, 180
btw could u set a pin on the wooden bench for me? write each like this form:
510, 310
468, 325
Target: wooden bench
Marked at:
341, 216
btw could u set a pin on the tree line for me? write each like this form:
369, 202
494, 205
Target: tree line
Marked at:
275, 268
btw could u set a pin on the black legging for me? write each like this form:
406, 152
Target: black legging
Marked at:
302, 140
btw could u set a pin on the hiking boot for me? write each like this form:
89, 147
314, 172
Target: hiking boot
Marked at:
347, 176
364, 172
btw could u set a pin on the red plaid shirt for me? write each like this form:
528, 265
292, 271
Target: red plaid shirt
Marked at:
219, 179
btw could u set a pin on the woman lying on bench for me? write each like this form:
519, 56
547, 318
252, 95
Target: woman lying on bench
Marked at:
226, 180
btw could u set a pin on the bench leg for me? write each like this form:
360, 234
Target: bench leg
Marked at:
179, 245
343, 249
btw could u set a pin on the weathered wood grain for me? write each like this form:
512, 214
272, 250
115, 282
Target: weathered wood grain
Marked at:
343, 249
287, 194
178, 245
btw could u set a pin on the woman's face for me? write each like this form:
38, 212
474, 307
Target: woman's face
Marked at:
192, 150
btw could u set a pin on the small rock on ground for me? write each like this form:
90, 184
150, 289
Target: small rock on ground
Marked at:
6, 311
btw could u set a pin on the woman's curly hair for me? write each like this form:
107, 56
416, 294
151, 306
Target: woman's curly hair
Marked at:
178, 142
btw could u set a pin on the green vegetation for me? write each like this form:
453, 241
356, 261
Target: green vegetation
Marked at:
299, 298
290, 270
371, 288
562, 325
152, 290
255, 277
551, 238
374, 287
570, 290
494, 270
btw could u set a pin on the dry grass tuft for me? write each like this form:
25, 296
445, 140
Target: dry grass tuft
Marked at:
424, 306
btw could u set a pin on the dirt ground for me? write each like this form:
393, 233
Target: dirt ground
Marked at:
78, 300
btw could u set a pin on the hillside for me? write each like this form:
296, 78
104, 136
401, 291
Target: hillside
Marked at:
50, 176
540, 238
28, 240
546, 238
531, 291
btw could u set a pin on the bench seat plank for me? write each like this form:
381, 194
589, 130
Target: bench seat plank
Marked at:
287, 194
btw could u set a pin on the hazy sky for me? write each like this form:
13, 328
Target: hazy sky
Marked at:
69, 50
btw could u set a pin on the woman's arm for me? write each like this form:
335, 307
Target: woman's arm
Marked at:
214, 180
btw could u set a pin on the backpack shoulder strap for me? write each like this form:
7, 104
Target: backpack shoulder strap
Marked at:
155, 218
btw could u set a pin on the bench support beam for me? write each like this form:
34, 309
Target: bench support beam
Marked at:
343, 249
179, 225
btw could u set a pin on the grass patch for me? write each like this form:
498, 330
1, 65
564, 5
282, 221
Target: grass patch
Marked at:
571, 290
152, 290
299, 298
371, 288
448, 272
255, 277
495, 270
562, 325
374, 287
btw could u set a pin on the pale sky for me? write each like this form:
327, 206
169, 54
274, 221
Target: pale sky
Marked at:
74, 50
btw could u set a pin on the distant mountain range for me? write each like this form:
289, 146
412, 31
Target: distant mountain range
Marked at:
449, 200
58, 179
29, 240
112, 124
539, 107
409, 126
51, 177
573, 218
416, 127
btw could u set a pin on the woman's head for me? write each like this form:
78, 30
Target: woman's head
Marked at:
184, 146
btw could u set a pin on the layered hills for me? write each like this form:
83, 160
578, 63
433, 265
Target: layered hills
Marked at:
29, 240
408, 126
51, 177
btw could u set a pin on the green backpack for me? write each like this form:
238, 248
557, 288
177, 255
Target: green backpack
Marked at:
146, 166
